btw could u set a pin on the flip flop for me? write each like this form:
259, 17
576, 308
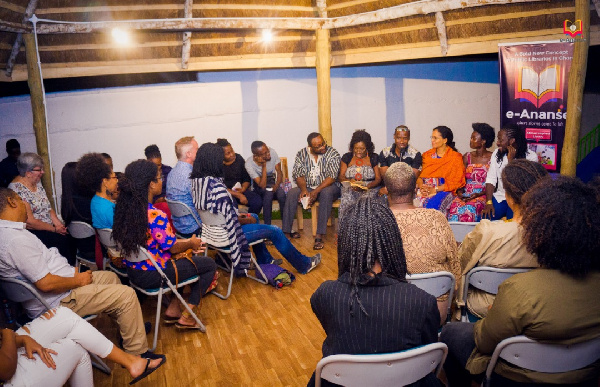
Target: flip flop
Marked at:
185, 327
170, 320
318, 244
149, 371
295, 235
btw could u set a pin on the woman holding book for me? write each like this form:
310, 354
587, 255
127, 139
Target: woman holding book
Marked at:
359, 170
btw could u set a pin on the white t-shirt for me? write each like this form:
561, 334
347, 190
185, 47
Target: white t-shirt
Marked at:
24, 256
255, 170
495, 172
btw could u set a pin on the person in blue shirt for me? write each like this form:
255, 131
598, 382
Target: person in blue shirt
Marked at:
94, 174
179, 186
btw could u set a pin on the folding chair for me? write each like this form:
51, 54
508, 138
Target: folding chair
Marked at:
461, 229
487, 279
106, 240
436, 284
216, 238
179, 209
529, 354
18, 290
82, 230
390, 369
166, 287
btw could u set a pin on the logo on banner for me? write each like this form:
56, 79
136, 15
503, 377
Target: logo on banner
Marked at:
573, 28
538, 88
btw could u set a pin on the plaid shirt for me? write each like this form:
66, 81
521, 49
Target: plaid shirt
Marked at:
327, 165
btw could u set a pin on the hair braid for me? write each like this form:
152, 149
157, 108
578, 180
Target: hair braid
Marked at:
519, 176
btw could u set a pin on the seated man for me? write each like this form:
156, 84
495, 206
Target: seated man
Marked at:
24, 256
316, 169
264, 168
179, 186
399, 151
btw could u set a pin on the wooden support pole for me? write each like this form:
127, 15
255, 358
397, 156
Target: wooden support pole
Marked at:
440, 24
576, 83
323, 67
19, 39
187, 36
36, 93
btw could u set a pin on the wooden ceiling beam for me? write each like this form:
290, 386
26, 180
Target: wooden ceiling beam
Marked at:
170, 7
597, 6
187, 36
19, 39
440, 24
6, 26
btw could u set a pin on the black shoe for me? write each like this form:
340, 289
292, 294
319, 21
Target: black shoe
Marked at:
151, 355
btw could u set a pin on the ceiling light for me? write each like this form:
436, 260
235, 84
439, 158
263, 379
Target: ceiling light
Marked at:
121, 36
267, 35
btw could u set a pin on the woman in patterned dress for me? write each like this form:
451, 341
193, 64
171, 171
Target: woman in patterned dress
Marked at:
138, 224
470, 201
359, 171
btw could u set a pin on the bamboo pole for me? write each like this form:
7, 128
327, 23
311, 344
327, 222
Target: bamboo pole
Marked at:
322, 64
576, 83
36, 92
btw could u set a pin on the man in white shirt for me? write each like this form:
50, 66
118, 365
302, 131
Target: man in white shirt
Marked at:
24, 256
511, 145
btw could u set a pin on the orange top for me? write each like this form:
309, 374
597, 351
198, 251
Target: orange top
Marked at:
450, 167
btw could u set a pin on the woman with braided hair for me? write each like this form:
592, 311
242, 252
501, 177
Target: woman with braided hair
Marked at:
138, 224
557, 303
371, 308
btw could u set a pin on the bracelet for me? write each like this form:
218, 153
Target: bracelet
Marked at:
489, 202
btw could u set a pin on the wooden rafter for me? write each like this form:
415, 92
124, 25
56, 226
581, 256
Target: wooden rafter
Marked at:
19, 39
6, 26
186, 47
440, 24
597, 6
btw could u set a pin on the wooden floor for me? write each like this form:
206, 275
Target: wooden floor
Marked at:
260, 336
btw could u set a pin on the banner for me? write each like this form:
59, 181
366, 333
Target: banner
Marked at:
533, 95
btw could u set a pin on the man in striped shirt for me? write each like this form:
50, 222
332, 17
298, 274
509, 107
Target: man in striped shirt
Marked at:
315, 171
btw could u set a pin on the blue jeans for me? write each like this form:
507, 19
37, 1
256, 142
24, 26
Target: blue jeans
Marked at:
257, 231
501, 209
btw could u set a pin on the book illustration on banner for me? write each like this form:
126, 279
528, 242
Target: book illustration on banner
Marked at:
546, 154
538, 88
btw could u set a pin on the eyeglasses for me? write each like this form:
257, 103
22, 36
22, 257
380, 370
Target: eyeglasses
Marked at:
322, 145
37, 170
402, 128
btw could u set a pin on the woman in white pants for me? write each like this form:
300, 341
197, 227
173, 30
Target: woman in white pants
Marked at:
61, 340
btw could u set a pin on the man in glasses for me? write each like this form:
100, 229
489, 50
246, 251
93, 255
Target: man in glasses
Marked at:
400, 151
315, 171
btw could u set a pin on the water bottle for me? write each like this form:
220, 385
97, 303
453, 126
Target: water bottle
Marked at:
278, 284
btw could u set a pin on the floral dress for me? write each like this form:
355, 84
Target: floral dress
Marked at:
363, 172
470, 211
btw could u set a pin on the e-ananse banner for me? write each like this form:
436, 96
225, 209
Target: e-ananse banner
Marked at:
533, 95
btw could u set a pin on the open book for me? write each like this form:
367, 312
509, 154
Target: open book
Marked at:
358, 184
538, 88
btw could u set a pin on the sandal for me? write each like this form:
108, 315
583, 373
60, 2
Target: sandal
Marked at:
148, 371
187, 315
318, 244
170, 319
295, 235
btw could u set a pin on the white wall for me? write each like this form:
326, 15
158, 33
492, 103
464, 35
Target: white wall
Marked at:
281, 112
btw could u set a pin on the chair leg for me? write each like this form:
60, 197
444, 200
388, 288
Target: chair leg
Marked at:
226, 296
157, 319
100, 364
264, 280
187, 307
300, 218
314, 217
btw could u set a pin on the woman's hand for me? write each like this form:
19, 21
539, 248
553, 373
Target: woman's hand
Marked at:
31, 346
382, 191
198, 246
60, 228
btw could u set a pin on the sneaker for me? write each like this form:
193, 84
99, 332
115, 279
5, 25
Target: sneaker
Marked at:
314, 262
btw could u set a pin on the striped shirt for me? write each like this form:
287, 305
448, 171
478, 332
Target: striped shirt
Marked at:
326, 165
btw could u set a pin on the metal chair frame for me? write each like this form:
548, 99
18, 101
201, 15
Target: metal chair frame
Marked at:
461, 229
106, 240
436, 283
82, 230
179, 209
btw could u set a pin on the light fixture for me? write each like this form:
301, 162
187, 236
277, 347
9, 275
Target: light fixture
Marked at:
267, 35
121, 36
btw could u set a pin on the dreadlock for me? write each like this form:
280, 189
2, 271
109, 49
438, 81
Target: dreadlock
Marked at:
131, 212
514, 132
209, 161
561, 224
369, 232
519, 176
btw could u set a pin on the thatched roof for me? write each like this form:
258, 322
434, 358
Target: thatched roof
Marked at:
226, 34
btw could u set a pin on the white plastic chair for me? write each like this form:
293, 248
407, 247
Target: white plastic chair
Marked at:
487, 279
106, 240
390, 369
532, 355
216, 238
20, 291
166, 287
82, 230
461, 229
436, 283
179, 209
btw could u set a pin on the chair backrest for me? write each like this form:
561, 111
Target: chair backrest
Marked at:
436, 284
179, 209
488, 278
392, 369
214, 232
461, 229
18, 290
80, 230
543, 357
105, 237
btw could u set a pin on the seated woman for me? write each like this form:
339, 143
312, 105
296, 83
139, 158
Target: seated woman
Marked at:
443, 171
138, 224
498, 243
75, 206
210, 194
556, 303
428, 241
370, 308
42, 221
95, 174
61, 340
470, 200
360, 170
237, 180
